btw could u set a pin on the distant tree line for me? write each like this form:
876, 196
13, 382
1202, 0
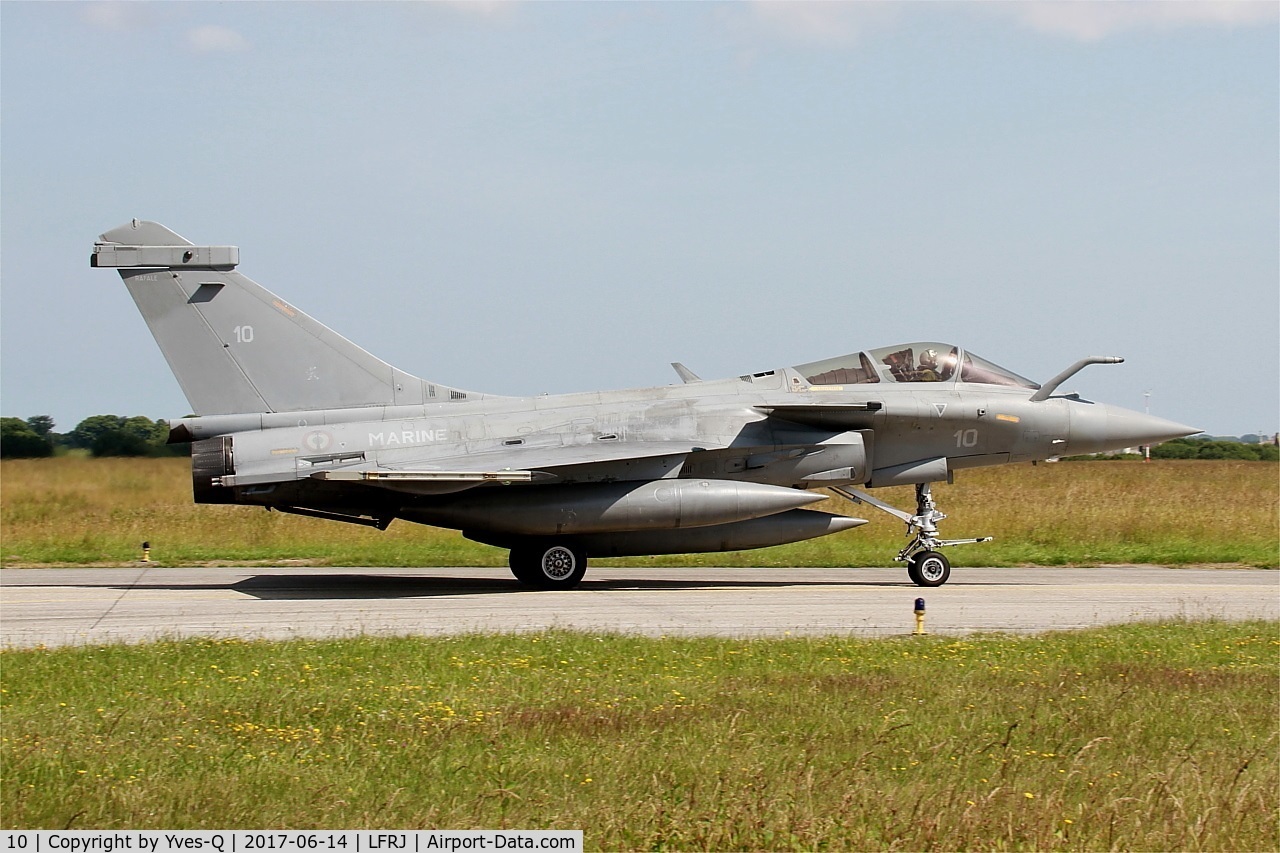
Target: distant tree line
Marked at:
113, 435
1200, 447
1216, 448
100, 435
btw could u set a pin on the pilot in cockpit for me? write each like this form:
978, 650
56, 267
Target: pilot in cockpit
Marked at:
928, 370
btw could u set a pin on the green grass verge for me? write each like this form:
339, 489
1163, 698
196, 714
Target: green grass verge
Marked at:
1153, 736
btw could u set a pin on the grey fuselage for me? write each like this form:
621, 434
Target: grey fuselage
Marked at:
720, 430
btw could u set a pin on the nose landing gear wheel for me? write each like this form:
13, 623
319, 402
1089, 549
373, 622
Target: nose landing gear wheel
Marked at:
555, 566
928, 568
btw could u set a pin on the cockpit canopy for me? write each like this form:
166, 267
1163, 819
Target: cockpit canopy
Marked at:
919, 362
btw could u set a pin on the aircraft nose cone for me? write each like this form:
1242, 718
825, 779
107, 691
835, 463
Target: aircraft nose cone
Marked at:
1134, 428
1099, 428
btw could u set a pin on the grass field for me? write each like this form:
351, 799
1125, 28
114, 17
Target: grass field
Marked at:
71, 511
1140, 737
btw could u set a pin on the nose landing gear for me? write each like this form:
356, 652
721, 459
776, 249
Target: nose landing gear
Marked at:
925, 566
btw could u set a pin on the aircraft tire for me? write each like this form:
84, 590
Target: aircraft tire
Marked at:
520, 567
548, 566
929, 568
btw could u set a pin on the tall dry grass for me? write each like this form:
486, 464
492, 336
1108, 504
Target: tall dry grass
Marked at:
85, 511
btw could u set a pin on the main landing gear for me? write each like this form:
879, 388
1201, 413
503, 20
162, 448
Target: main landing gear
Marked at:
548, 565
925, 565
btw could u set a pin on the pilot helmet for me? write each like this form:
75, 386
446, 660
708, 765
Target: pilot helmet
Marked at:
929, 357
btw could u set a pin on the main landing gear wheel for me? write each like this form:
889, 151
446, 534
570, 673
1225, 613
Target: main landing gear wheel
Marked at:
555, 566
928, 568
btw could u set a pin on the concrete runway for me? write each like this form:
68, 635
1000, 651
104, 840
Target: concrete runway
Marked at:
54, 607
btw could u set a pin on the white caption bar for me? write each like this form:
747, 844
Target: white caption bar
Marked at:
296, 841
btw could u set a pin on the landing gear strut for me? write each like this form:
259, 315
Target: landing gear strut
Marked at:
925, 566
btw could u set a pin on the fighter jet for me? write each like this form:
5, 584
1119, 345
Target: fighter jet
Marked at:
291, 416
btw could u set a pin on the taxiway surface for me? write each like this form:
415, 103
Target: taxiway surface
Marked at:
54, 607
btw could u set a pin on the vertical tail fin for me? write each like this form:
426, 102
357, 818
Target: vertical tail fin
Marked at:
235, 347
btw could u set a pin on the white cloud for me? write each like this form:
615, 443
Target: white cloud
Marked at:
823, 23
212, 38
117, 16
1093, 21
842, 24
492, 9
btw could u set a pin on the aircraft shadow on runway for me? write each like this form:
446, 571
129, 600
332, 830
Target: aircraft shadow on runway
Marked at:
355, 587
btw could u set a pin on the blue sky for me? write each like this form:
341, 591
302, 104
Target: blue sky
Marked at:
549, 197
